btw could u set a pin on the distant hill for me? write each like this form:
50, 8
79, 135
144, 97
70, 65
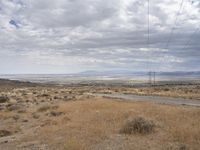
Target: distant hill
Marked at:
5, 83
138, 73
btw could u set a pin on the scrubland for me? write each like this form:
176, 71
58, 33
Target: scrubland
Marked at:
71, 118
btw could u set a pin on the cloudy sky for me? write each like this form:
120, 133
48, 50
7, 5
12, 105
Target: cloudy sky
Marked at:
66, 36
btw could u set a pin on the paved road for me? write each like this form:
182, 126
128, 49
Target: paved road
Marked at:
156, 99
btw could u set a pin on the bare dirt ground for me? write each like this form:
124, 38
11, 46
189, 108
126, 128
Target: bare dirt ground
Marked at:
69, 118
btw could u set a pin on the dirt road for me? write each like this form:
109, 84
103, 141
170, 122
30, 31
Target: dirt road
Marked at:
156, 99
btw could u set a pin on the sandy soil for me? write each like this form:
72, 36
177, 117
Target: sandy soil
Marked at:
70, 118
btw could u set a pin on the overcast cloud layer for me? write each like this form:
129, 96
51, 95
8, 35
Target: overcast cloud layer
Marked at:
65, 36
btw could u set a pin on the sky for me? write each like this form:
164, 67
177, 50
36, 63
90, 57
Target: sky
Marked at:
69, 36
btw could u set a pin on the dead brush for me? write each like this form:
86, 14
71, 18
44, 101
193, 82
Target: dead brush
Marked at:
138, 125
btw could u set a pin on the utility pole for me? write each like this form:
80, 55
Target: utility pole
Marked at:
152, 78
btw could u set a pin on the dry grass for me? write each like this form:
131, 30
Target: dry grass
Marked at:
94, 123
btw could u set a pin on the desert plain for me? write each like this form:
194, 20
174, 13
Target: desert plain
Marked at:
73, 117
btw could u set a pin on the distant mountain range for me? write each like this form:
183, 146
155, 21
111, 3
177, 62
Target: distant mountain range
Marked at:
91, 73
138, 73
101, 75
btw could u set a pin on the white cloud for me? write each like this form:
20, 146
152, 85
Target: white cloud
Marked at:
97, 34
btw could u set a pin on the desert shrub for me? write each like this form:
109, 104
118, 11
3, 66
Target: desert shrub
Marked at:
3, 99
166, 89
72, 144
24, 94
138, 125
55, 107
13, 107
55, 113
56, 97
22, 110
80, 92
16, 117
35, 116
68, 98
70, 92
116, 90
43, 108
4, 133
45, 95
183, 147
2, 107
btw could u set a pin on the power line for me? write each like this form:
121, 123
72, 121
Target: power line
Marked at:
147, 42
151, 74
175, 23
190, 38
195, 31
148, 25
173, 28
